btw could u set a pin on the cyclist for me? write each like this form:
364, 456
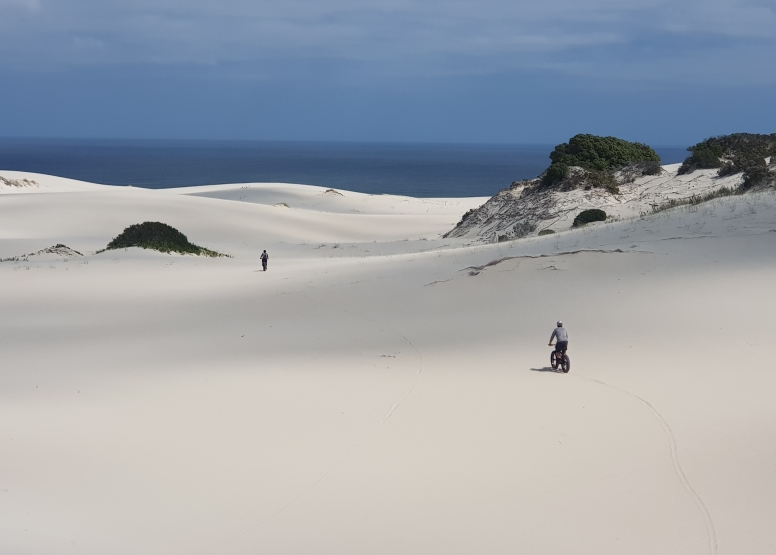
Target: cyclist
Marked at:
562, 336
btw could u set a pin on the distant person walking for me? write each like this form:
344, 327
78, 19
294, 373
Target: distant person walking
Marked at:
264, 257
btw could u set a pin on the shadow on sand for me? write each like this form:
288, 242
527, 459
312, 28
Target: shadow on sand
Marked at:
547, 369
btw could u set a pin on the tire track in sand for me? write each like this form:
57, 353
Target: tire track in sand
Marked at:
707, 520
358, 444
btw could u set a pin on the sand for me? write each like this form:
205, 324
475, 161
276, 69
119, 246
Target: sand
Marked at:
379, 389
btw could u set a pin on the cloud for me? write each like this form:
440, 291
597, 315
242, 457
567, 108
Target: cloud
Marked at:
388, 39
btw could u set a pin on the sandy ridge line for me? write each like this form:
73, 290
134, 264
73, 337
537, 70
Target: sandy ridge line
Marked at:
707, 520
505, 258
358, 444
58, 249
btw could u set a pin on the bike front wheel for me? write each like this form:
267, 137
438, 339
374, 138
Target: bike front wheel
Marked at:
554, 360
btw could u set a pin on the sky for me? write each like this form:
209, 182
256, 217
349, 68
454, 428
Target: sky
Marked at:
485, 71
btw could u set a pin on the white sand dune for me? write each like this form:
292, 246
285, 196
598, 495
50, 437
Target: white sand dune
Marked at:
522, 210
322, 199
379, 389
24, 182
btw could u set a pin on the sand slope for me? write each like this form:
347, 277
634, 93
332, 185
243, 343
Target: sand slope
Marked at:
386, 395
521, 210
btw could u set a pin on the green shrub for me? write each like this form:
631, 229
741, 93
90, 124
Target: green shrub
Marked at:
157, 236
752, 165
754, 168
546, 232
603, 180
752, 144
705, 155
597, 154
756, 174
651, 168
601, 153
708, 153
588, 216
555, 173
728, 168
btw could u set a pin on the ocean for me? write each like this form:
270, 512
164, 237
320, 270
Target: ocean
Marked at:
418, 170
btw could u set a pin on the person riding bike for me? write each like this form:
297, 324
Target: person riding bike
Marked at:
562, 336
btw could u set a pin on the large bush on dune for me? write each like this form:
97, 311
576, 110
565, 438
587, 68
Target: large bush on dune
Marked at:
755, 170
705, 155
157, 236
596, 154
737, 153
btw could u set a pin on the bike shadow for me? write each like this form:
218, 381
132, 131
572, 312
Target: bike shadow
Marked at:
547, 369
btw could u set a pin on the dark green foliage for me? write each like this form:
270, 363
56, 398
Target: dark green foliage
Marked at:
546, 232
727, 168
604, 180
631, 172
756, 172
708, 153
154, 235
704, 155
157, 236
753, 167
587, 216
555, 173
751, 144
650, 168
601, 154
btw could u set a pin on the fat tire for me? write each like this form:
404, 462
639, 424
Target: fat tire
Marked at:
566, 364
554, 360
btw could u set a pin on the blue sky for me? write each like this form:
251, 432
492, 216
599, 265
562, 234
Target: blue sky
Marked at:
662, 72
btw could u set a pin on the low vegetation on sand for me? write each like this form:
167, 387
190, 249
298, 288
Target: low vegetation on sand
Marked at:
600, 157
157, 236
588, 216
59, 249
694, 199
737, 153
546, 232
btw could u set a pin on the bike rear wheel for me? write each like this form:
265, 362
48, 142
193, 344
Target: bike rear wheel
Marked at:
565, 364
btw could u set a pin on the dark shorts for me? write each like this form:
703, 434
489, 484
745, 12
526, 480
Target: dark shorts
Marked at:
562, 346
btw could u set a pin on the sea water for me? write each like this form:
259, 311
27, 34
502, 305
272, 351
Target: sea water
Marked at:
418, 170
